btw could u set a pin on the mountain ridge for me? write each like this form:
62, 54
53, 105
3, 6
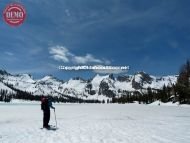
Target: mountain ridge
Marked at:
98, 87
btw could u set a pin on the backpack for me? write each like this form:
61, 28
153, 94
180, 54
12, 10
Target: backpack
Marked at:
44, 103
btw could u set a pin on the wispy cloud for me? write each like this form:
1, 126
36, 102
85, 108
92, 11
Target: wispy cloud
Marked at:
110, 71
61, 53
86, 59
35, 51
9, 53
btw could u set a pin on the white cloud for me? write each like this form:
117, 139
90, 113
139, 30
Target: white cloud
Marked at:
86, 59
60, 53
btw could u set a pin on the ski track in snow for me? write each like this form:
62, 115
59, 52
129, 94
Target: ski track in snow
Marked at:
96, 123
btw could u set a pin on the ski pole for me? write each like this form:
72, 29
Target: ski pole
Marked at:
55, 119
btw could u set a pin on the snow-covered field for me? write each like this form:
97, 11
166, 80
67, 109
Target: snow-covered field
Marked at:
96, 123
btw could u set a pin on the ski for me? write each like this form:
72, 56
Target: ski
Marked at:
50, 128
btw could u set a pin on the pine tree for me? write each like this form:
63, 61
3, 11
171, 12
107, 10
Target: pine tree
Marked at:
183, 84
164, 97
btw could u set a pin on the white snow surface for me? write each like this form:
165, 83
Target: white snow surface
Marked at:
96, 123
124, 86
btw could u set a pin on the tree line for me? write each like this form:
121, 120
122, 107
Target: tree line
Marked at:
19, 94
179, 92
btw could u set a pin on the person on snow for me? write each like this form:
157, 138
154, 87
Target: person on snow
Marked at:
46, 104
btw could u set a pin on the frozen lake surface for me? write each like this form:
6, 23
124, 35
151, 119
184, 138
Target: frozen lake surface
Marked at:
96, 123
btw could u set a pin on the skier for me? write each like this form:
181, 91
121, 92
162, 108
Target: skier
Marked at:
46, 104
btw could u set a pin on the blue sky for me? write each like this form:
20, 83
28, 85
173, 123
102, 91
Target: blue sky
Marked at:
147, 35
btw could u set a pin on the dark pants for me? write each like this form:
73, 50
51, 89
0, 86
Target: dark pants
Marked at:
46, 118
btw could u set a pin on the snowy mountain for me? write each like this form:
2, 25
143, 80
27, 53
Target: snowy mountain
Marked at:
99, 87
7, 89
